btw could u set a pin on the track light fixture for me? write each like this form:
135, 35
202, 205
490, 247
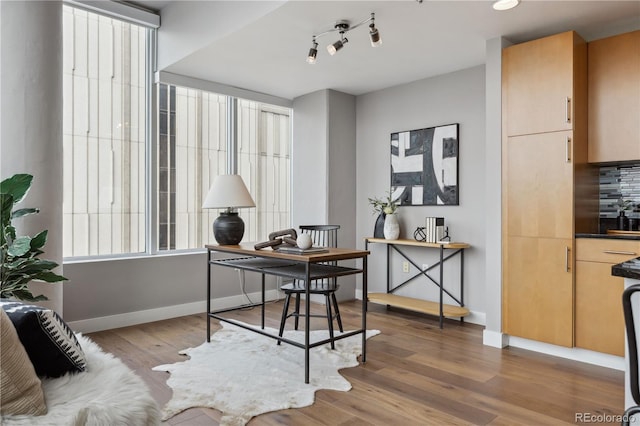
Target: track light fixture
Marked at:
343, 27
333, 48
313, 52
374, 35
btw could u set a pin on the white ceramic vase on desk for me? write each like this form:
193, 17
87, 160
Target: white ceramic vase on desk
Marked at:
391, 227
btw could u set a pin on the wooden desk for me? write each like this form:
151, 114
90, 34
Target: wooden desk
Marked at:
300, 267
439, 308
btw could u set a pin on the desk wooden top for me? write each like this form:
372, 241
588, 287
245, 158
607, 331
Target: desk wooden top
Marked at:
331, 255
452, 245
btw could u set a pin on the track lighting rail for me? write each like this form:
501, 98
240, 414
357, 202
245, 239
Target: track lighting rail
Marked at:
343, 27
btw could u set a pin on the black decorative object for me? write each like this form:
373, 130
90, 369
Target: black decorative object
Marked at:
424, 166
378, 230
419, 234
228, 228
623, 221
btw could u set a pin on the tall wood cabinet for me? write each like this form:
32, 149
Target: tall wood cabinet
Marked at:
544, 108
614, 98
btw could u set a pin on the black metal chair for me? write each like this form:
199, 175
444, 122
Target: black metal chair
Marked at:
633, 352
321, 236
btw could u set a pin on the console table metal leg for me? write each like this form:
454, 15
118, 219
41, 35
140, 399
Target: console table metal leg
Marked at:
388, 269
441, 285
462, 281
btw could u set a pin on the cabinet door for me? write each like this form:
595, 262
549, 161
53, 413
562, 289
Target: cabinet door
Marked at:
539, 185
599, 318
538, 80
614, 98
538, 289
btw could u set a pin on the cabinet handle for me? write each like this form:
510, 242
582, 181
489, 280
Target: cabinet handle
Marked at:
566, 259
568, 153
630, 253
567, 117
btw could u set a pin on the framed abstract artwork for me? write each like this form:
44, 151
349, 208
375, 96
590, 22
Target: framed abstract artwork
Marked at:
424, 166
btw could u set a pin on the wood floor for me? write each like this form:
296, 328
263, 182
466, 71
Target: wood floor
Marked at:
415, 374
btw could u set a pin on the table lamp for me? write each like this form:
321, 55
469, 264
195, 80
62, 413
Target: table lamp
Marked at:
228, 192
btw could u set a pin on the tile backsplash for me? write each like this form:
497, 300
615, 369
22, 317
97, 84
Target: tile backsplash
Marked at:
622, 181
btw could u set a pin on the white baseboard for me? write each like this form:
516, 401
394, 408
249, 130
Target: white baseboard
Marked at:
474, 317
576, 354
139, 317
495, 339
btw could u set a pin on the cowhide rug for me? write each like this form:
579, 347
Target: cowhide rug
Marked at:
244, 374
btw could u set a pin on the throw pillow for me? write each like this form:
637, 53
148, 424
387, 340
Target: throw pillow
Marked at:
20, 388
50, 343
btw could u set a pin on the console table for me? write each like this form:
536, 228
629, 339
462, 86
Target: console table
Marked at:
305, 267
439, 308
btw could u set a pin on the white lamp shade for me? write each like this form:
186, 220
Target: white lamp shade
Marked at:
228, 191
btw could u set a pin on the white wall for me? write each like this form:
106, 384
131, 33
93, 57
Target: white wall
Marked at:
342, 171
309, 186
31, 117
493, 194
457, 97
323, 188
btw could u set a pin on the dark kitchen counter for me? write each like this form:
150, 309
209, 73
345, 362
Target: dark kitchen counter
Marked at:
628, 269
611, 236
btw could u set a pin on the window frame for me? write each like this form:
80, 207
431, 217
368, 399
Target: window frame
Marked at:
153, 77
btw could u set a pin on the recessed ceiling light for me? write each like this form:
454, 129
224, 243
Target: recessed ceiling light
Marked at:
505, 4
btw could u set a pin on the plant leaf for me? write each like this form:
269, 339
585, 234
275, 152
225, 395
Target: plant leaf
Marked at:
20, 246
25, 294
17, 186
39, 240
23, 212
49, 277
6, 204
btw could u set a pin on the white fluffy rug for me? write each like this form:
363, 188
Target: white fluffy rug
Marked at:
108, 393
244, 374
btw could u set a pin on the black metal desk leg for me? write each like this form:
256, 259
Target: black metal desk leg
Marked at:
208, 295
307, 322
263, 301
441, 285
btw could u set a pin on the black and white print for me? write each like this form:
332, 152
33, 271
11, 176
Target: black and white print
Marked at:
424, 166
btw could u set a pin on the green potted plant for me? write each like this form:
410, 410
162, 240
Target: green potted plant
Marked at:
19, 255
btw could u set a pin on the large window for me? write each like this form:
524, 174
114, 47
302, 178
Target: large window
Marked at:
108, 206
104, 133
193, 148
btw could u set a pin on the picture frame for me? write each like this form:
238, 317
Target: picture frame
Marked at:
424, 166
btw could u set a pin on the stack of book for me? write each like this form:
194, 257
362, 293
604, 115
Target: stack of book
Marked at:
434, 229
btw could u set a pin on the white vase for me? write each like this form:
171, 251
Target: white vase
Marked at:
391, 227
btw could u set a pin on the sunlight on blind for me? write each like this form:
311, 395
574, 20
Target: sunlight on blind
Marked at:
103, 134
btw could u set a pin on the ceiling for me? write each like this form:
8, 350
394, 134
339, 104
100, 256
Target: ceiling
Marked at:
420, 40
